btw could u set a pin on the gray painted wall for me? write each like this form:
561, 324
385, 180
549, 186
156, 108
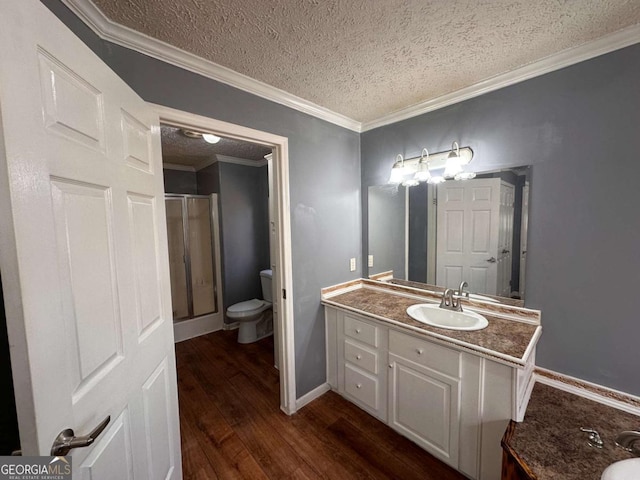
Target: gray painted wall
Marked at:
578, 127
418, 198
324, 173
208, 179
244, 218
387, 207
178, 181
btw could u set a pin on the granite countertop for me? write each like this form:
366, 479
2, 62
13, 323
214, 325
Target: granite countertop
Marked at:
503, 338
549, 440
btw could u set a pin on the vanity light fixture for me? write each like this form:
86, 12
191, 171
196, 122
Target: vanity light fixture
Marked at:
207, 137
433, 169
423, 174
398, 171
453, 166
465, 176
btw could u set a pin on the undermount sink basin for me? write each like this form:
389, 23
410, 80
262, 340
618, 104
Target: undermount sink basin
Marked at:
623, 470
432, 314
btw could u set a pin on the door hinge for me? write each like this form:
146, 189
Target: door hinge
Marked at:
284, 294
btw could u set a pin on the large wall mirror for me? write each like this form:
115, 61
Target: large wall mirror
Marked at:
472, 230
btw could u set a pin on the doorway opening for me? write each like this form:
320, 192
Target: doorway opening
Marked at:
278, 235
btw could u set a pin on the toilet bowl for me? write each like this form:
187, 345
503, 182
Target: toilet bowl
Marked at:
255, 317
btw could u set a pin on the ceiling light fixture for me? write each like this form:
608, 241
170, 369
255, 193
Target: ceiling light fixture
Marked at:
207, 137
210, 138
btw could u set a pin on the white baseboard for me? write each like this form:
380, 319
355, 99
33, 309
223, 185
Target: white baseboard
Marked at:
194, 327
231, 326
312, 395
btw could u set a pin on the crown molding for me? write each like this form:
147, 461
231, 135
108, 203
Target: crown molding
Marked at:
174, 166
241, 161
608, 43
139, 42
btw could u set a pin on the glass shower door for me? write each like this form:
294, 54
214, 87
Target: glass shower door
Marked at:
177, 256
191, 260
200, 252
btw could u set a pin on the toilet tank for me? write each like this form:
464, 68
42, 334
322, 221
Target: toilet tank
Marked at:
265, 280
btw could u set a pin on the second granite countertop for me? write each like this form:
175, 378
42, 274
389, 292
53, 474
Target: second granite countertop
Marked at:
549, 441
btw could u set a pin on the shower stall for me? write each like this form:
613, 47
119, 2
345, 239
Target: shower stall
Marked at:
194, 263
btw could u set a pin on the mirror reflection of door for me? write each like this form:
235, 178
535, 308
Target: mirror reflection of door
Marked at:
475, 224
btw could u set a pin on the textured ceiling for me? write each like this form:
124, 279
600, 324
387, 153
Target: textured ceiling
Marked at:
193, 152
368, 58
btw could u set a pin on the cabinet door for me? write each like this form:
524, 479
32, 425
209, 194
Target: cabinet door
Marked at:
424, 407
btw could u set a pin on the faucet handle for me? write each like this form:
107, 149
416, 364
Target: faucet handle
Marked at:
594, 439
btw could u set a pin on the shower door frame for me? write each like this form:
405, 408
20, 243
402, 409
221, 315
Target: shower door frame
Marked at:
215, 256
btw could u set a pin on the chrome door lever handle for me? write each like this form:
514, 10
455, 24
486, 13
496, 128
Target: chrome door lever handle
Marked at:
67, 440
492, 260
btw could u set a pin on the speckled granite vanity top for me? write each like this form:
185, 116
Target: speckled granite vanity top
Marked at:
505, 338
549, 441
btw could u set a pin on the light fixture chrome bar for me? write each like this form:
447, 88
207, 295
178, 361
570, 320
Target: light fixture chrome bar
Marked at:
439, 160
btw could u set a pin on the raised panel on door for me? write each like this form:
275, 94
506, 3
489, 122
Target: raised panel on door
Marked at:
142, 225
88, 282
73, 107
423, 406
156, 395
452, 277
111, 455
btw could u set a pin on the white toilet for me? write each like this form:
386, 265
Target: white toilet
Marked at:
254, 316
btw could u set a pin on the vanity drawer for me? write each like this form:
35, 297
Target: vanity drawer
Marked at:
361, 387
360, 357
362, 331
428, 354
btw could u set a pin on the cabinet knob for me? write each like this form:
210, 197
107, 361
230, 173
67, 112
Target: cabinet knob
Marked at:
419, 351
358, 330
358, 357
391, 365
358, 385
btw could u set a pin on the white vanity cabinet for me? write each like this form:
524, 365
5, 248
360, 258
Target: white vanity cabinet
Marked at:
361, 374
424, 394
453, 403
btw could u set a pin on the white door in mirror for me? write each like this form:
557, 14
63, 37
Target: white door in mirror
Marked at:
432, 314
623, 470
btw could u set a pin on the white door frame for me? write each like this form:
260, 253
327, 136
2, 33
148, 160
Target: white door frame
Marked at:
282, 214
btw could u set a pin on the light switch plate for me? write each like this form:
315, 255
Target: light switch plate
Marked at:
370, 261
352, 264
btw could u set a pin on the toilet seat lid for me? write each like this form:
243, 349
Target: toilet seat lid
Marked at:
246, 306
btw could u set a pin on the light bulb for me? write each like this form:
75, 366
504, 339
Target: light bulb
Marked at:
210, 138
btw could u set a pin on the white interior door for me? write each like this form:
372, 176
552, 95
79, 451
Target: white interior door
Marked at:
467, 234
84, 254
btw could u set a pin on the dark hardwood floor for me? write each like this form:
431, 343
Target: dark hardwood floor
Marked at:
232, 426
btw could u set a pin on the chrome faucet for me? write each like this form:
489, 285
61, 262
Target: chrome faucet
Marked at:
449, 302
461, 292
630, 441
